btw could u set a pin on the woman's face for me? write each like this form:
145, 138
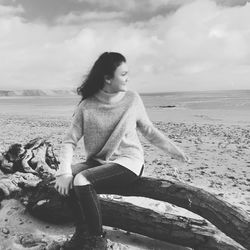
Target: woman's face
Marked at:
120, 79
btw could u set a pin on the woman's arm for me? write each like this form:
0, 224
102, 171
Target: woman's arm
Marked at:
73, 135
154, 136
64, 176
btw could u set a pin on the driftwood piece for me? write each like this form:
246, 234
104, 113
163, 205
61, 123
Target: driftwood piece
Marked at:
176, 229
168, 227
48, 205
231, 220
171, 228
36, 157
12, 184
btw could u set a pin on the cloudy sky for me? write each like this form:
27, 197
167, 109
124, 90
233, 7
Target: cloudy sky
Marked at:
170, 45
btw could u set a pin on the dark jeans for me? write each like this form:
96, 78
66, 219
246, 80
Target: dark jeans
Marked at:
105, 176
101, 177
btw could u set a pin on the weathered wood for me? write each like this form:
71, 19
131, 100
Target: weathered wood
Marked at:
47, 205
219, 212
180, 230
26, 166
231, 220
36, 157
12, 184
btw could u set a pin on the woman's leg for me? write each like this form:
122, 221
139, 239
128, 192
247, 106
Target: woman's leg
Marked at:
72, 200
79, 167
76, 211
87, 182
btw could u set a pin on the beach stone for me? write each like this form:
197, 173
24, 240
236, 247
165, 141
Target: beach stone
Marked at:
31, 240
5, 230
231, 177
178, 141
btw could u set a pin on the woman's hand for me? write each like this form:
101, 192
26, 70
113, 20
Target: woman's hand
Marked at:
64, 183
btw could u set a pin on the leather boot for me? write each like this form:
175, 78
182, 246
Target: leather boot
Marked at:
81, 230
90, 205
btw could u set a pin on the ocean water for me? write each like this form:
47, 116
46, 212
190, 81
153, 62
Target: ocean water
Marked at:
224, 100
208, 106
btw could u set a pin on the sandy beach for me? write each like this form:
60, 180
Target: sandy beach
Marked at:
218, 148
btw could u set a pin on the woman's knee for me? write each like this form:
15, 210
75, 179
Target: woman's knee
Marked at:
80, 180
79, 167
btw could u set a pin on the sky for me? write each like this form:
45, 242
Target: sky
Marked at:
170, 45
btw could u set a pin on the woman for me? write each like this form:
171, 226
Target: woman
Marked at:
107, 117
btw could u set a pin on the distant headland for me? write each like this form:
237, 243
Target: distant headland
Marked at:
37, 92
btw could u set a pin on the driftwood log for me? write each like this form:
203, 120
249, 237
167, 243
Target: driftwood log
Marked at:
195, 233
47, 204
231, 220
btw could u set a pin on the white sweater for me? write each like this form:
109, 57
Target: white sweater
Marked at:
108, 124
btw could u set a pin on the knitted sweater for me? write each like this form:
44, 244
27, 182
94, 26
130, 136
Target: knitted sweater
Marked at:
108, 124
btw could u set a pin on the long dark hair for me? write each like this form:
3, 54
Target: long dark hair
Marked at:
104, 66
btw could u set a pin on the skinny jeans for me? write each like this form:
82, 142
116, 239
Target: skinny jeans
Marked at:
103, 178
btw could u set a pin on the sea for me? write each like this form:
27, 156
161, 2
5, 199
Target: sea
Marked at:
230, 106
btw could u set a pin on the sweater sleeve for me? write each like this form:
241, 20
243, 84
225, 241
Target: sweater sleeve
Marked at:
71, 138
150, 132
75, 131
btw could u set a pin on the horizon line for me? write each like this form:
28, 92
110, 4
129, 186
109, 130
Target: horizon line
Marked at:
142, 93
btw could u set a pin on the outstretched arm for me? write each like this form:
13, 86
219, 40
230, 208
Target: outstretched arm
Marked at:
155, 136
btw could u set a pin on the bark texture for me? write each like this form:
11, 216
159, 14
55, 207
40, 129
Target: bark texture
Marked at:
46, 204
180, 230
231, 220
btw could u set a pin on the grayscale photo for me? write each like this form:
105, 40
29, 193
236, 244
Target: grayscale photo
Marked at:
124, 124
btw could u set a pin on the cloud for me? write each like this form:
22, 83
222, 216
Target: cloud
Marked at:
93, 16
200, 45
133, 10
49, 11
10, 10
232, 3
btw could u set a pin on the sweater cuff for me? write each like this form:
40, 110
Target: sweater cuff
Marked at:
63, 173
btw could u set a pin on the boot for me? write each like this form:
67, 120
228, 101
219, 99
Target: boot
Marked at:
90, 205
78, 242
81, 230
76, 211
94, 242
